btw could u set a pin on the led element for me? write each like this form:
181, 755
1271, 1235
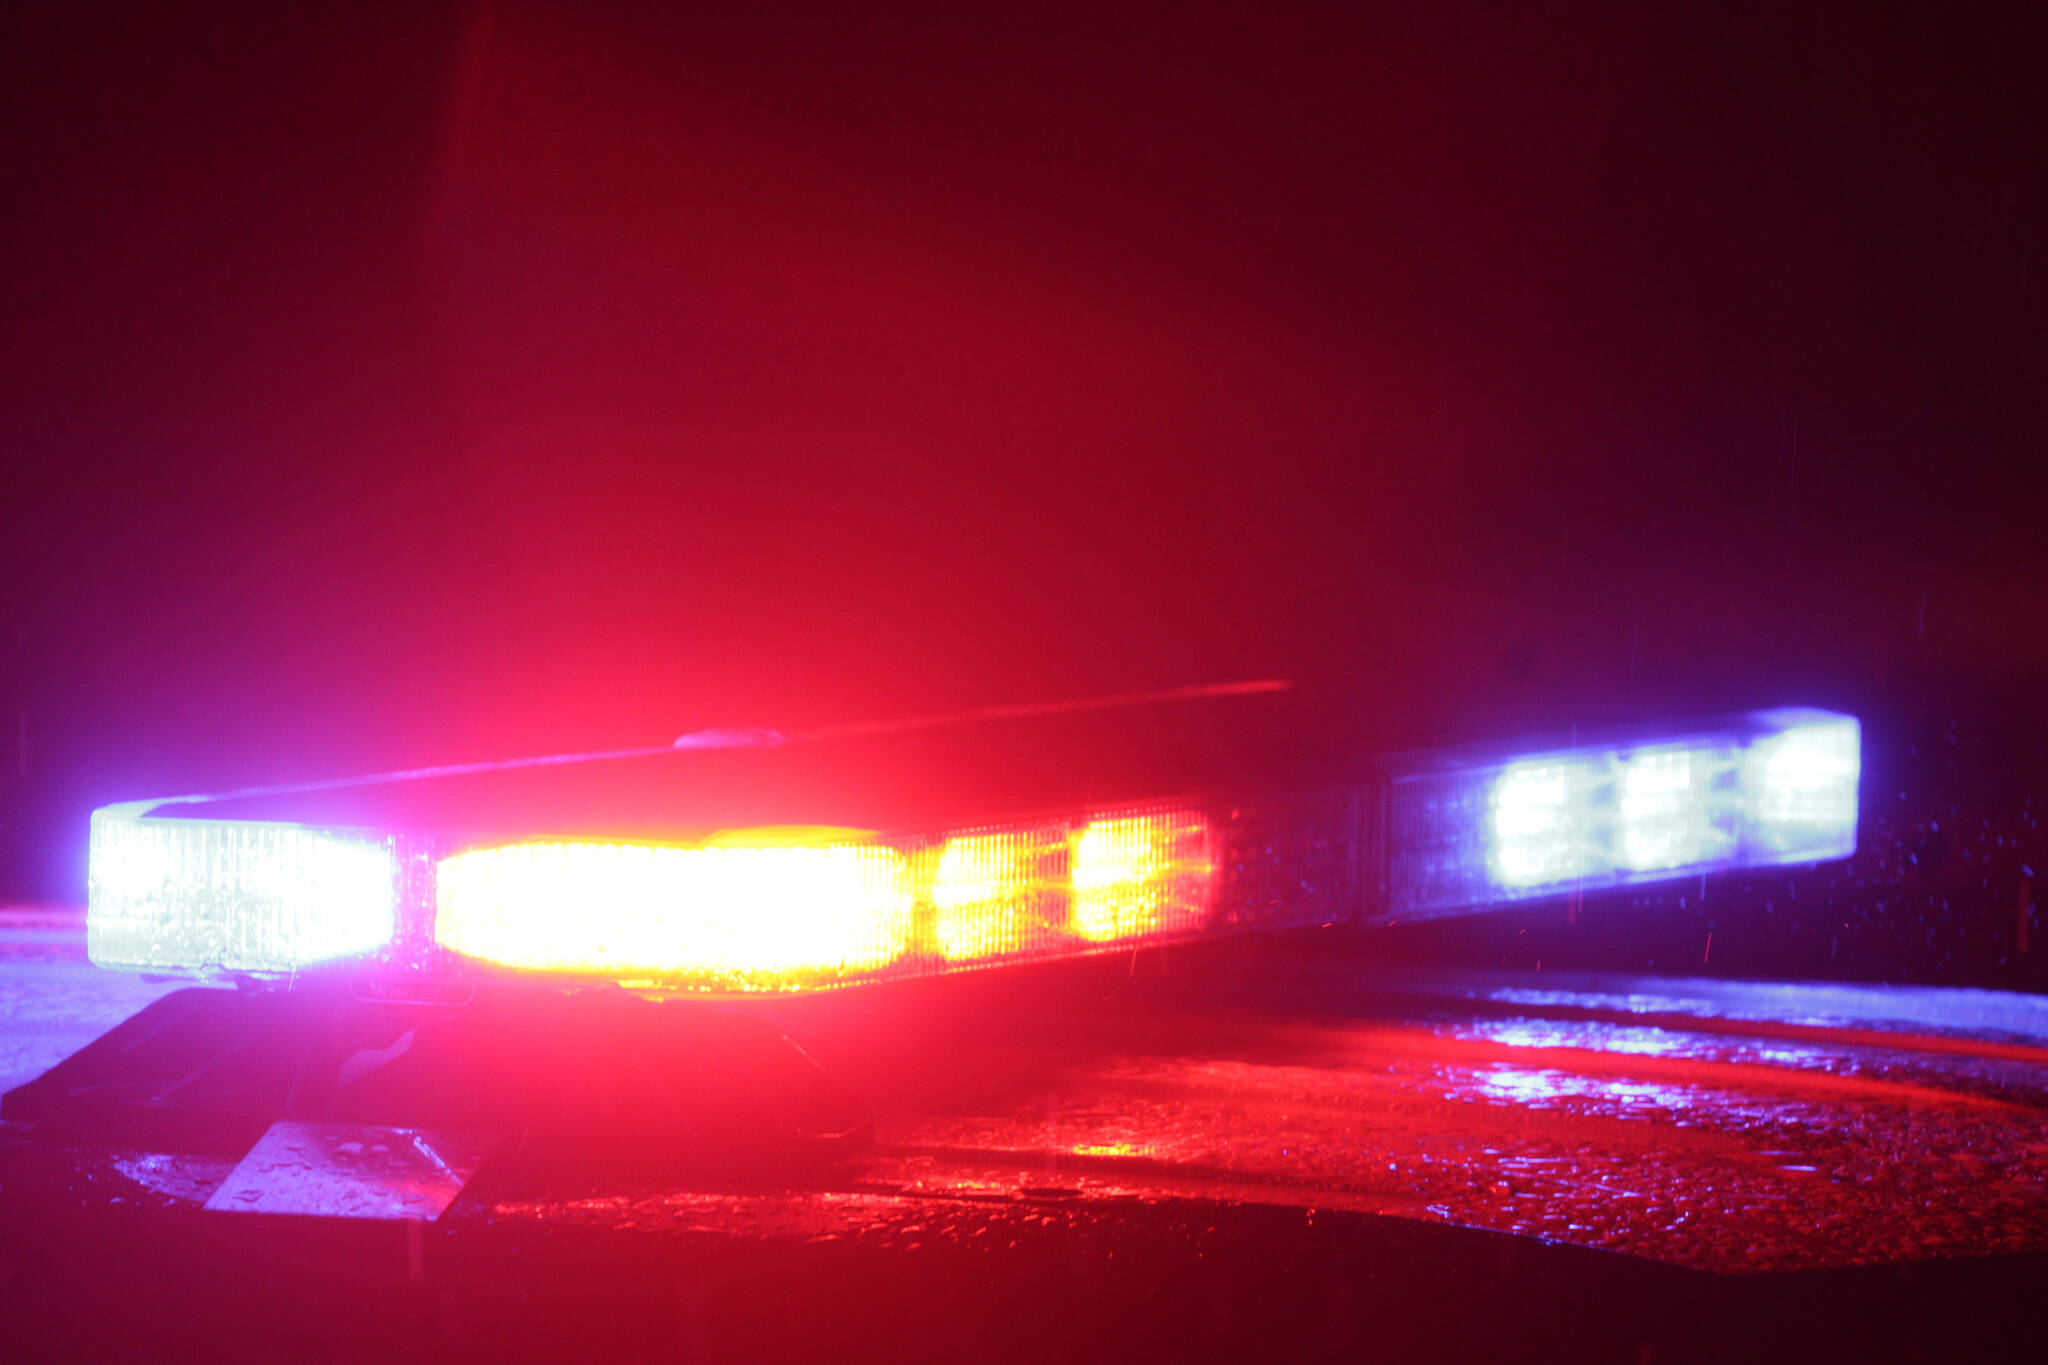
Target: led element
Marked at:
1802, 786
1145, 875
1560, 820
996, 895
1537, 834
1678, 808
750, 917
1468, 828
232, 896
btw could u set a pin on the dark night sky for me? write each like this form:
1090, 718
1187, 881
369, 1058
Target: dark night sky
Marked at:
394, 384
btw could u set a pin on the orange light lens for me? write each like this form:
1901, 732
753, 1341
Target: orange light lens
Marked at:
1141, 875
997, 895
793, 909
736, 917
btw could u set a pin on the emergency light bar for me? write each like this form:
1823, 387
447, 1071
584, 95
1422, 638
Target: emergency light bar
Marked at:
790, 908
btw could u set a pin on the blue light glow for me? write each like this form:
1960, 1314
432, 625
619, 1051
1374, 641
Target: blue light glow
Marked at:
232, 895
1803, 785
1678, 808
1467, 829
1539, 823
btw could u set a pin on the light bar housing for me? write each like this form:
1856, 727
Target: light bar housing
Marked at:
417, 911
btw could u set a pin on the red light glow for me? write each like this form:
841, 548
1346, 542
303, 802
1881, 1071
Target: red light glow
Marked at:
749, 918
795, 909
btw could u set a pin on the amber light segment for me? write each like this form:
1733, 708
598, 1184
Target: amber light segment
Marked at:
750, 917
996, 895
1141, 875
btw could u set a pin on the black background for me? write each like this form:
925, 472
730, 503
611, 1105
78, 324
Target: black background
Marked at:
395, 384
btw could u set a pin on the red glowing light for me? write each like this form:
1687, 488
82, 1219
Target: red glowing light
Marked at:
774, 917
791, 910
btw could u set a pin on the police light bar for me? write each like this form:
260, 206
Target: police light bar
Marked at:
198, 887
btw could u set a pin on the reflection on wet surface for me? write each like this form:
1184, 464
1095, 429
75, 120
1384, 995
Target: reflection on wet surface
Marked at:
1545, 1089
1707, 1150
1711, 1125
328, 1170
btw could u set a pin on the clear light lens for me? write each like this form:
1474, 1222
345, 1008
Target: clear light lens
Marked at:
1803, 784
1467, 829
1539, 823
236, 896
1678, 808
746, 917
1558, 821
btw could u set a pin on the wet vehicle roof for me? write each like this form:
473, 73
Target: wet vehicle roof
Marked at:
1278, 1140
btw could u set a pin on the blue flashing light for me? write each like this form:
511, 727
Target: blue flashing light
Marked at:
233, 895
1470, 828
